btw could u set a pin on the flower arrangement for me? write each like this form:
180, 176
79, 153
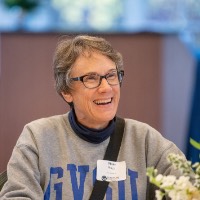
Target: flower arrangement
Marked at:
186, 187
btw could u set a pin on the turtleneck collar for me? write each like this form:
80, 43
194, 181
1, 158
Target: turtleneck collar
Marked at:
95, 136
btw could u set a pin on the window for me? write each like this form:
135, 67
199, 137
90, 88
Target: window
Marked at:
102, 16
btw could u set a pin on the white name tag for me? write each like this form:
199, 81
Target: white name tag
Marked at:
111, 171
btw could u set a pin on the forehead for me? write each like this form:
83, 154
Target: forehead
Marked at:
93, 62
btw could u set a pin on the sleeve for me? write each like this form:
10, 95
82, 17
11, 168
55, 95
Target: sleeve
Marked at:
23, 171
162, 164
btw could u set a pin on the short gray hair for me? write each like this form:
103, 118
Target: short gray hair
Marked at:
68, 50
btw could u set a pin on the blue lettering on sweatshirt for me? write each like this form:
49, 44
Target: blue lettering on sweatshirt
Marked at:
133, 176
57, 186
78, 189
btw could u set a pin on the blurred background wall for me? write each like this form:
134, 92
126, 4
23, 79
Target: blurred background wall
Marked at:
160, 43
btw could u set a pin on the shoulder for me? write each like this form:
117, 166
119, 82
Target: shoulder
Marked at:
141, 128
145, 132
41, 129
51, 119
153, 141
48, 123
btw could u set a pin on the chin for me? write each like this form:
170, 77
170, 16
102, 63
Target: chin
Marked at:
107, 118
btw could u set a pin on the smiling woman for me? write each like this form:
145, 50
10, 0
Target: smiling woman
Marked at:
58, 157
89, 103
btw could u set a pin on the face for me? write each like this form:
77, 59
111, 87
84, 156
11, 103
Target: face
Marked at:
95, 107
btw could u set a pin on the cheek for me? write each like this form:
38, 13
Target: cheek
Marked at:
117, 97
117, 92
83, 99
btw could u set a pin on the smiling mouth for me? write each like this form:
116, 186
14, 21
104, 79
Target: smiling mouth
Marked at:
103, 102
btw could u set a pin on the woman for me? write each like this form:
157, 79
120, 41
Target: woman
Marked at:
56, 157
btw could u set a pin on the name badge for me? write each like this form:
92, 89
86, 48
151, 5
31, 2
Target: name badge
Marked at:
111, 171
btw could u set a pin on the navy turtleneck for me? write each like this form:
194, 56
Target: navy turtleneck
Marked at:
95, 136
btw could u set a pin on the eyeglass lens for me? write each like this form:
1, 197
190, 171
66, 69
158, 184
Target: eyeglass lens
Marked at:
94, 80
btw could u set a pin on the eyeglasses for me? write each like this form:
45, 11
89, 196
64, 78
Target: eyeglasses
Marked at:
93, 80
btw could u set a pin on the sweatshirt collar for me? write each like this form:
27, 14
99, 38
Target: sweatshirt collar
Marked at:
91, 135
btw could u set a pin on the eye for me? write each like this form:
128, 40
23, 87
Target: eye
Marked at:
91, 78
112, 75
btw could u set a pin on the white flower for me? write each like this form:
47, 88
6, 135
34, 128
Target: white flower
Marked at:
159, 195
178, 195
159, 177
186, 187
183, 183
168, 182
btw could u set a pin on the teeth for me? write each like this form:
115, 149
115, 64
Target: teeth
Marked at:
102, 102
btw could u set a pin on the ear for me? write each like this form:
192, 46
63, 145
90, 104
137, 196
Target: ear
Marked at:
68, 97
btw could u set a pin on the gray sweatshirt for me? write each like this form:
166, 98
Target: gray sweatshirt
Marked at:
50, 161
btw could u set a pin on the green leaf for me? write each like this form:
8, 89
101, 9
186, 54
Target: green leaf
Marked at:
195, 144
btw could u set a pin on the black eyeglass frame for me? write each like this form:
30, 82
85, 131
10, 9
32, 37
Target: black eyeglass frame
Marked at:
120, 75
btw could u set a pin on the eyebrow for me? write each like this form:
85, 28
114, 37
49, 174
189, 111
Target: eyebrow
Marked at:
89, 73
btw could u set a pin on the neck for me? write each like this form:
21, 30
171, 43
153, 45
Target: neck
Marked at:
92, 135
98, 125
